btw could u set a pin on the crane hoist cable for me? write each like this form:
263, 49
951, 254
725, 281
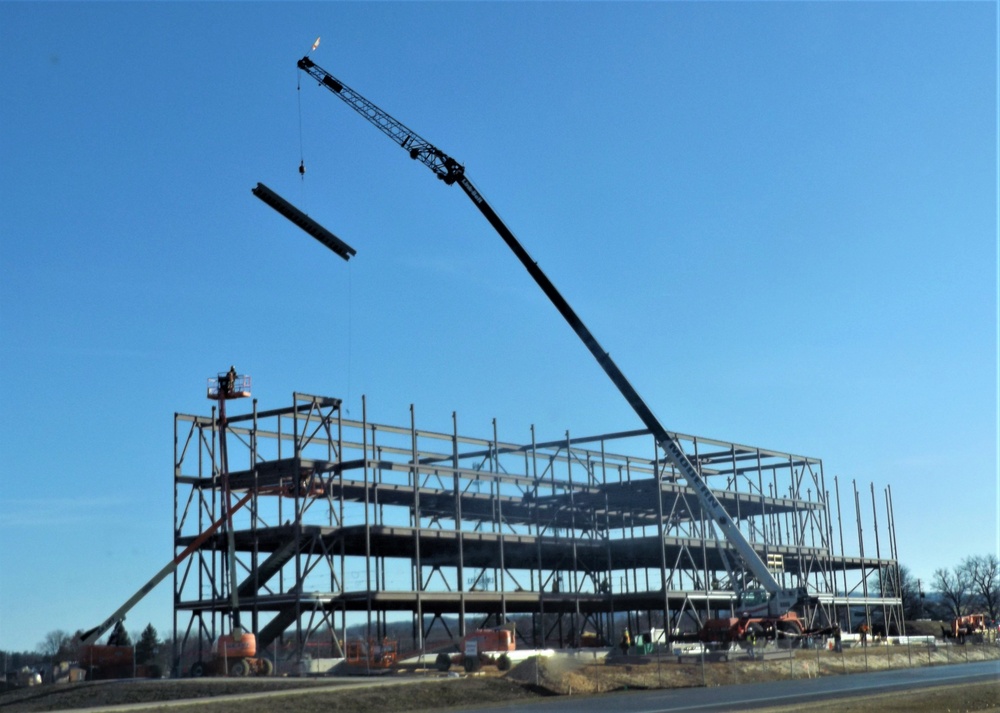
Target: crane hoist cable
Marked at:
302, 153
298, 92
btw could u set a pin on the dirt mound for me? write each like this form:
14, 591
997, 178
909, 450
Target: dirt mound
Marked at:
534, 673
927, 627
562, 676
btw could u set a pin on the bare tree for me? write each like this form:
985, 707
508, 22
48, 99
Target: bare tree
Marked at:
56, 645
955, 588
984, 576
898, 582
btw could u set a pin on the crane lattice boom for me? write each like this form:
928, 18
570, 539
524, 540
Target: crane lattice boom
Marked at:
445, 167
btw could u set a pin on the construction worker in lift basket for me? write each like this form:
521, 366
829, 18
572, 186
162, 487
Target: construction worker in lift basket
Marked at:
231, 377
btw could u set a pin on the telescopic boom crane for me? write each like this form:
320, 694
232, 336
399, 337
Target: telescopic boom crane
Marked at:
779, 600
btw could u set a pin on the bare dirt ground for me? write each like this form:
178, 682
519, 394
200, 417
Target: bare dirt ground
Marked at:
529, 680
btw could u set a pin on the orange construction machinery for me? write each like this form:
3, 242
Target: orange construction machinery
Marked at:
969, 625
725, 631
235, 653
110, 661
371, 655
481, 647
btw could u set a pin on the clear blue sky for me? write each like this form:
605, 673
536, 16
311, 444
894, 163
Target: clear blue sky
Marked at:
779, 218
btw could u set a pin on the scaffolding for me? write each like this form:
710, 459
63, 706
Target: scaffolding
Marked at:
353, 523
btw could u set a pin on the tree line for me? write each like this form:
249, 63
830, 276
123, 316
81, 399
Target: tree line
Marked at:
970, 587
58, 645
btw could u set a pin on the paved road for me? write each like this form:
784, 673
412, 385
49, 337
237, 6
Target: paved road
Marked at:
749, 696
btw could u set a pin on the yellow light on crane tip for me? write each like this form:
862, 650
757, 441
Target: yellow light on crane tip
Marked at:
315, 45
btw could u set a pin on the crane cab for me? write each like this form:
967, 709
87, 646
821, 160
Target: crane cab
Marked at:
753, 602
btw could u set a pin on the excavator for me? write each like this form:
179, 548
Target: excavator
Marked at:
770, 605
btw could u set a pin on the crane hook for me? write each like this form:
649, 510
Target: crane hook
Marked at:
302, 168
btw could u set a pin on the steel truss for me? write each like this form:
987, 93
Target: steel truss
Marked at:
356, 522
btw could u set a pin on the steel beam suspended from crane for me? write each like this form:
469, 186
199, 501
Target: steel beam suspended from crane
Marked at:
302, 220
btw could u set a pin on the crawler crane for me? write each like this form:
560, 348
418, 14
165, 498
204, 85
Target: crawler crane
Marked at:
772, 606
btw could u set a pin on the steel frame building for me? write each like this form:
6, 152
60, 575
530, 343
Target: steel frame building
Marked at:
357, 522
